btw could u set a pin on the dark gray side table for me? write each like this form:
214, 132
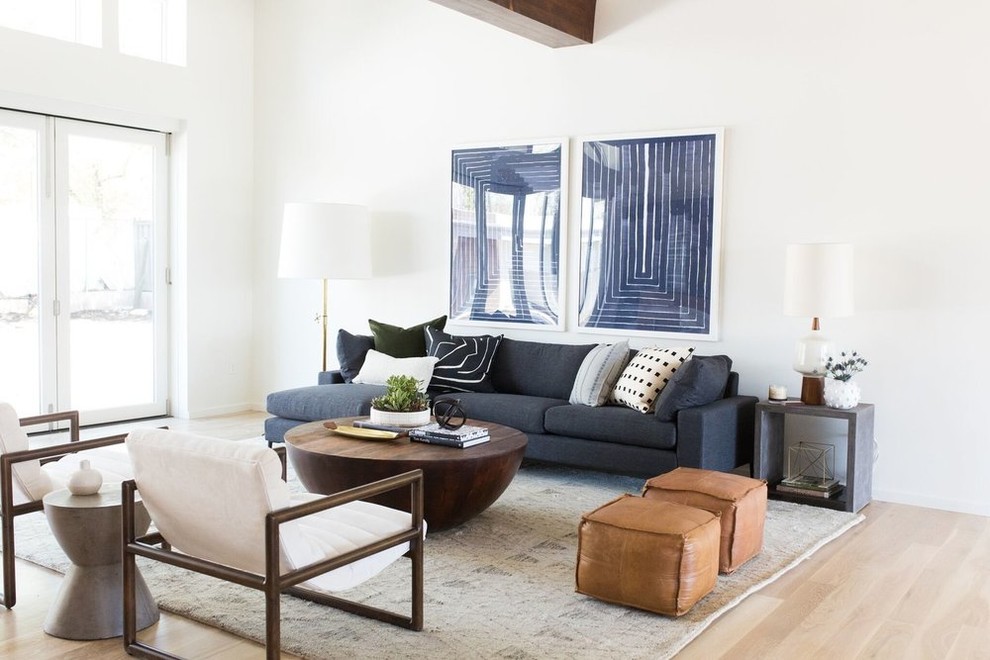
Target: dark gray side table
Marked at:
768, 453
89, 604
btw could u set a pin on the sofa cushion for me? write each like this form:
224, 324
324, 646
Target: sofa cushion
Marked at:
698, 382
524, 413
403, 342
616, 424
536, 368
351, 350
601, 367
379, 367
646, 375
463, 362
323, 401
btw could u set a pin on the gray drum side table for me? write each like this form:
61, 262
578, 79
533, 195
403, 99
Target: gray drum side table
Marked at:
89, 604
768, 453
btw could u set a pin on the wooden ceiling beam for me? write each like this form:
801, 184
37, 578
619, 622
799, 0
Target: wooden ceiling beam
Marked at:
554, 23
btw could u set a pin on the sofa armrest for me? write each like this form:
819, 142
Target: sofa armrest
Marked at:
330, 377
717, 436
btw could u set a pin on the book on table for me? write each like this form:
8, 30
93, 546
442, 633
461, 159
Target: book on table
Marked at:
462, 433
809, 486
810, 483
448, 442
368, 424
807, 492
465, 436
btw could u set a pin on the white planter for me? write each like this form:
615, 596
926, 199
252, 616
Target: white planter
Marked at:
841, 394
389, 418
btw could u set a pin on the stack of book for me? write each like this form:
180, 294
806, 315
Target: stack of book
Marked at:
809, 486
465, 436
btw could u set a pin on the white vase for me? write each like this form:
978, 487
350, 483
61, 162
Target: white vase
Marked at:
85, 480
389, 418
841, 394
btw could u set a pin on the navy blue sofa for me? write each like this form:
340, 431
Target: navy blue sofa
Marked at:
533, 381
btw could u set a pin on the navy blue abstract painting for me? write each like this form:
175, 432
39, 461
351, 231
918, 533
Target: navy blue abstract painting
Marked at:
506, 228
650, 234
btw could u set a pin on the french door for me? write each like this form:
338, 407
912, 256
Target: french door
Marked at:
83, 215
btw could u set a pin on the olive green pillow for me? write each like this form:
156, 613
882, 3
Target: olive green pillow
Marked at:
403, 342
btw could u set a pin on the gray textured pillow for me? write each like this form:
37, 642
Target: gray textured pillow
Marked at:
700, 381
598, 373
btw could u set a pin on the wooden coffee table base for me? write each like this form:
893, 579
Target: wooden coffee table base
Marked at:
458, 483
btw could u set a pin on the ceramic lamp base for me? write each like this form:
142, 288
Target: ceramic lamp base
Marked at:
813, 390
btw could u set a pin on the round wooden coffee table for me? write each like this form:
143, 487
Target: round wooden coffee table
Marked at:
458, 484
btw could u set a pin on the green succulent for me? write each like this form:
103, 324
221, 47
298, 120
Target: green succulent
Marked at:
402, 394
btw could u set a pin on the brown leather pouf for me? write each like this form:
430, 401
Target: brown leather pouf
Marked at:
653, 555
740, 501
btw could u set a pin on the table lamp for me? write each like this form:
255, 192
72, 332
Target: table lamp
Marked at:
325, 241
818, 283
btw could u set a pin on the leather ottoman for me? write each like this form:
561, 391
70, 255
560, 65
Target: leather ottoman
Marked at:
653, 555
740, 501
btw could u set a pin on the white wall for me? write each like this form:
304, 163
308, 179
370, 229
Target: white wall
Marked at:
208, 106
846, 121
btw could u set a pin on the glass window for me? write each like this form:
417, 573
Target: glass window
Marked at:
153, 29
80, 21
150, 29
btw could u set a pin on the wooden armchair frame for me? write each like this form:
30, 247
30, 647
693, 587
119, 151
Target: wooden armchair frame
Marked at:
8, 510
273, 582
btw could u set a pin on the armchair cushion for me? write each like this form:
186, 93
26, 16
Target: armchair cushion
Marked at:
209, 499
30, 483
32, 480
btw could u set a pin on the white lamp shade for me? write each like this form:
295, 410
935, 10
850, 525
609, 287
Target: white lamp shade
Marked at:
325, 241
819, 280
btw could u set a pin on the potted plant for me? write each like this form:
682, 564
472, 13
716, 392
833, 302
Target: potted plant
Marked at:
840, 390
404, 403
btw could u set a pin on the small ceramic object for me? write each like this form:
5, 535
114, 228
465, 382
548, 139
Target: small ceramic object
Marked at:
85, 480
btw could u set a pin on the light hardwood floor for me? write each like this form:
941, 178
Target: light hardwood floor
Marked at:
906, 583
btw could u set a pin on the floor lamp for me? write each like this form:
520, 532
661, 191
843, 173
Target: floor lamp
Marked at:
327, 242
818, 283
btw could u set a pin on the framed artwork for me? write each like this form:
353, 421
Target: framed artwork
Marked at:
651, 234
506, 234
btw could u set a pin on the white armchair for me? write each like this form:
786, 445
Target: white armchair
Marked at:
27, 475
221, 508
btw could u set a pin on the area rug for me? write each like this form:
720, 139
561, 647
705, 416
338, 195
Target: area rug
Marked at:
499, 586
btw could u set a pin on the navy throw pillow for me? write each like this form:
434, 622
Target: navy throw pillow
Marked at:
700, 381
351, 350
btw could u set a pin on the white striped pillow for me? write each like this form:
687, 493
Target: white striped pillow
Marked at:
598, 373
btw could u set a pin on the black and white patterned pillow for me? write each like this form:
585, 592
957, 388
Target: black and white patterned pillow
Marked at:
464, 362
647, 374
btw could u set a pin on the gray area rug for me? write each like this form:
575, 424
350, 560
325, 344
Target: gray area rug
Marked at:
499, 586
